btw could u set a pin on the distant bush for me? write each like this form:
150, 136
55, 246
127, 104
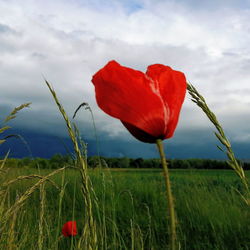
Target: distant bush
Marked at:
58, 161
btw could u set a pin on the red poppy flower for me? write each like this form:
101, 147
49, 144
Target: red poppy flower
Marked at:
148, 104
69, 229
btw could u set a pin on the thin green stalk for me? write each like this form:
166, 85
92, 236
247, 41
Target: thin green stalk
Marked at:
73, 213
104, 226
61, 195
12, 233
41, 220
197, 98
170, 200
132, 235
87, 107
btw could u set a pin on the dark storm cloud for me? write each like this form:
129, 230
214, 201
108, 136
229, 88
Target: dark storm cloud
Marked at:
68, 41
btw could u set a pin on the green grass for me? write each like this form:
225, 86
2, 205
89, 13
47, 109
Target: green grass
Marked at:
130, 209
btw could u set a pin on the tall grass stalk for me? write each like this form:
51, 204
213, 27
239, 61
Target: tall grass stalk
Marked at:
88, 238
150, 241
11, 233
104, 227
28, 177
61, 195
4, 191
87, 107
21, 200
14, 112
4, 160
73, 213
41, 219
197, 98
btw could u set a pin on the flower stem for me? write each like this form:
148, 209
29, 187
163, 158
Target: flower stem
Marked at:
171, 211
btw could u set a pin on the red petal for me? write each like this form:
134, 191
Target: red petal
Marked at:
140, 134
69, 229
172, 86
126, 94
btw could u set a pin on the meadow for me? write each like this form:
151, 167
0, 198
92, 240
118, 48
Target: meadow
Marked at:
129, 209
122, 208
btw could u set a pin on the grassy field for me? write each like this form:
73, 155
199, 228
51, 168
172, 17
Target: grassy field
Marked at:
123, 209
130, 210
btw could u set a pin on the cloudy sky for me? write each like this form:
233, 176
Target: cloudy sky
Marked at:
67, 41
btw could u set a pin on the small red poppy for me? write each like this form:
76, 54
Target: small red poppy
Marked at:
69, 229
148, 104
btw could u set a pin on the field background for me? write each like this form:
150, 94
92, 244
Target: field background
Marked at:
130, 209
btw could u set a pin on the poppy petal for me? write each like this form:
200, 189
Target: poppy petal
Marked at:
140, 134
172, 86
69, 229
127, 94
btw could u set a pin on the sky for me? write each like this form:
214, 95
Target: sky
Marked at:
68, 41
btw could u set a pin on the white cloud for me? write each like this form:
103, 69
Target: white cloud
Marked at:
68, 41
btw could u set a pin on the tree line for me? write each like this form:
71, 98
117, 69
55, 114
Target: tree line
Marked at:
58, 160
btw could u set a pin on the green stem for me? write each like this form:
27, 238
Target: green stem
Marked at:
171, 211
